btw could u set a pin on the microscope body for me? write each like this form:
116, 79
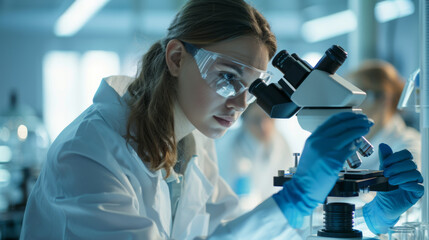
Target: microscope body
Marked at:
321, 95
312, 94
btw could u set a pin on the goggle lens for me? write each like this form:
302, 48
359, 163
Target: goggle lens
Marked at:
227, 76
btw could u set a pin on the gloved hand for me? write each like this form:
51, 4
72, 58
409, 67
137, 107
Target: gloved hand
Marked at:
322, 159
386, 208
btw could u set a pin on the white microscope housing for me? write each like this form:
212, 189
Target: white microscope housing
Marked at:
321, 95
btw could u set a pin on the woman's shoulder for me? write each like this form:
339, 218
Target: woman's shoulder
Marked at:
87, 135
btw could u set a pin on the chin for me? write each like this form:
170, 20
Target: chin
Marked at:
214, 133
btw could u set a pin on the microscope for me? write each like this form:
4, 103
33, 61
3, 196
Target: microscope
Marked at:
313, 95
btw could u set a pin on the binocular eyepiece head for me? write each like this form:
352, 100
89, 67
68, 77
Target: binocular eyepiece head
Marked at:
333, 58
276, 101
295, 69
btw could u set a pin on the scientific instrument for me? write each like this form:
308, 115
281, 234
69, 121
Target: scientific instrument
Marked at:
312, 94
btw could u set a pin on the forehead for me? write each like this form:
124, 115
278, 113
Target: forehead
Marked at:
246, 49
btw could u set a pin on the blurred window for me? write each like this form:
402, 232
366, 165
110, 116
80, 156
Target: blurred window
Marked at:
70, 80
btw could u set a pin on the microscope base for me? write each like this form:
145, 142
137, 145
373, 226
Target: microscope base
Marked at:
314, 237
329, 238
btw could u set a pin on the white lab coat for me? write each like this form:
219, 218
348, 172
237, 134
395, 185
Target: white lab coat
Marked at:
398, 136
94, 186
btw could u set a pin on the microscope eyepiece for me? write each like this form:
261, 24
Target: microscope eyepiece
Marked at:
332, 60
295, 69
279, 59
273, 100
253, 89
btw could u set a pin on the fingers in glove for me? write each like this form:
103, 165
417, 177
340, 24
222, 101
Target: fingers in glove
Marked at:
347, 126
413, 187
398, 167
337, 119
405, 177
396, 157
338, 157
384, 151
348, 138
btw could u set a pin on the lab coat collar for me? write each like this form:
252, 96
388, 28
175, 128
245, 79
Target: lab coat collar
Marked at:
174, 177
111, 101
197, 189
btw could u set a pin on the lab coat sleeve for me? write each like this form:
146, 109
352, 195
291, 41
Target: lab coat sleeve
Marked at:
223, 204
97, 205
266, 221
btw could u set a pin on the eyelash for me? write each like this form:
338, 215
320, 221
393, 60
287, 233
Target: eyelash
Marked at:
232, 76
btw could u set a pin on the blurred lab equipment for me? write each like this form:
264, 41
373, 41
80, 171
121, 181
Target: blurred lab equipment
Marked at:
314, 95
422, 229
410, 96
24, 143
402, 233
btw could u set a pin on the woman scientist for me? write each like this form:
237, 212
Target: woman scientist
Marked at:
140, 163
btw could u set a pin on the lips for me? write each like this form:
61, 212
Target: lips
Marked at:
225, 121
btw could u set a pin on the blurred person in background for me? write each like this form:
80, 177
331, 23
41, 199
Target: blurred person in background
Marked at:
383, 86
251, 154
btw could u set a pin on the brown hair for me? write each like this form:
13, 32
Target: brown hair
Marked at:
153, 93
381, 78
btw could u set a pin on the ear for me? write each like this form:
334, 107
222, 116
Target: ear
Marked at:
174, 54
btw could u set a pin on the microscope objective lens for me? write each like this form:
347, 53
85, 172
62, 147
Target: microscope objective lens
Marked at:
354, 161
365, 149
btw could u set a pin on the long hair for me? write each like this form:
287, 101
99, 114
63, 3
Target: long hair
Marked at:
153, 93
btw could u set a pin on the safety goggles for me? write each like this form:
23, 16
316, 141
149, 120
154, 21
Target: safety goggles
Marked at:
227, 76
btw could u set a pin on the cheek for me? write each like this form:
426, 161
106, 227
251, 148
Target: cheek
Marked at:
194, 95
200, 103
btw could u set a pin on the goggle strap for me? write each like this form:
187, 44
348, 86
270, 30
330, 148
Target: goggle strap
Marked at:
190, 48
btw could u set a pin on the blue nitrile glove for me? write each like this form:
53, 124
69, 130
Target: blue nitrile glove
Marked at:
386, 208
322, 159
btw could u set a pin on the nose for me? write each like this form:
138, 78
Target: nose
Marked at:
238, 102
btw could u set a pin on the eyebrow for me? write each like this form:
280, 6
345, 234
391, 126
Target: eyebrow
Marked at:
237, 69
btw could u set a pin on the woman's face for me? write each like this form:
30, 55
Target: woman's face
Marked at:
209, 112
